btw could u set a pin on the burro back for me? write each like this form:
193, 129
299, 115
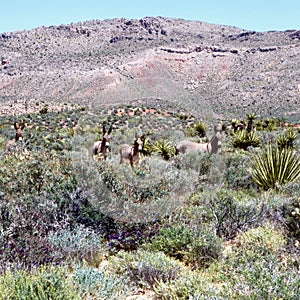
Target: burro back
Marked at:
214, 146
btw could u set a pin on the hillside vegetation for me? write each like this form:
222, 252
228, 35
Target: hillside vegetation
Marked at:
196, 225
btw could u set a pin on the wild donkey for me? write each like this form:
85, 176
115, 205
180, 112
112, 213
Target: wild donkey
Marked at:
18, 137
213, 146
131, 153
101, 148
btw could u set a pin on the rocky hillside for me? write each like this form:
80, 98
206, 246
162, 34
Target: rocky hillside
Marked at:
207, 69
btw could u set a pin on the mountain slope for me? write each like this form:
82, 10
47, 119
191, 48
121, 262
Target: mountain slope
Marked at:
198, 66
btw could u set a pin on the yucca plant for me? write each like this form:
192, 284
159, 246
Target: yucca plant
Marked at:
243, 139
165, 148
236, 124
250, 121
271, 124
286, 140
200, 128
147, 147
273, 167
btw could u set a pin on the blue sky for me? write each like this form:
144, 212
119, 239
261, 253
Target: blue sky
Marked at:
259, 15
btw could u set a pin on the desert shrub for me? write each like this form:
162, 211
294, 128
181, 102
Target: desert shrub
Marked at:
145, 268
141, 194
260, 278
199, 162
25, 224
41, 284
236, 172
82, 211
272, 167
101, 284
190, 286
231, 215
263, 240
243, 139
80, 243
204, 249
130, 236
257, 268
117, 234
36, 172
197, 248
173, 241
291, 214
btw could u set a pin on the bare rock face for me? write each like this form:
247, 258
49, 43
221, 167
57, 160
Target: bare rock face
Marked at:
189, 63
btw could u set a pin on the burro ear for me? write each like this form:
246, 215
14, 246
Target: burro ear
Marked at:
110, 129
16, 125
103, 128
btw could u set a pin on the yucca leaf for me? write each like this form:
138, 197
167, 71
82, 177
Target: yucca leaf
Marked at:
275, 166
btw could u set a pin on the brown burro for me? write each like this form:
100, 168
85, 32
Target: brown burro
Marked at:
19, 128
213, 146
101, 148
131, 153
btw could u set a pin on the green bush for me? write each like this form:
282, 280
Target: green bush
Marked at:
41, 284
205, 248
263, 240
173, 241
273, 167
190, 286
36, 172
236, 172
257, 268
145, 267
196, 248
